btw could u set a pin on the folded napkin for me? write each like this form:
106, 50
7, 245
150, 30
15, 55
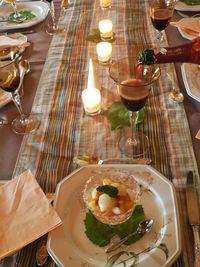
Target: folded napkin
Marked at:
6, 41
188, 25
93, 81
198, 134
25, 213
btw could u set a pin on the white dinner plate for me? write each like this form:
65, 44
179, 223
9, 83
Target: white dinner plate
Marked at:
38, 8
186, 35
191, 79
69, 246
180, 6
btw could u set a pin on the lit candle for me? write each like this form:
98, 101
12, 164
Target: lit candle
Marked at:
91, 101
104, 51
106, 29
105, 3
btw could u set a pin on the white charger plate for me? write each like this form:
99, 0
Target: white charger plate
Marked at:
68, 244
38, 8
185, 34
180, 6
191, 79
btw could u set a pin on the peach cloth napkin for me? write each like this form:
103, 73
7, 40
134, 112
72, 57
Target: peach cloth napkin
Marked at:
25, 213
198, 134
188, 25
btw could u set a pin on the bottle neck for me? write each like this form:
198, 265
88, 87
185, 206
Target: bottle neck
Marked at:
174, 54
189, 52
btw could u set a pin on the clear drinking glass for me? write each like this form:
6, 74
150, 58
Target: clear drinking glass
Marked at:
126, 199
16, 16
10, 81
53, 27
134, 83
161, 12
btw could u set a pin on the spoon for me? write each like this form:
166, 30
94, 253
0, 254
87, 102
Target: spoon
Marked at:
143, 227
3, 122
24, 69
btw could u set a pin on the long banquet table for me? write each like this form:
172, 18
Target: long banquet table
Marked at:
59, 68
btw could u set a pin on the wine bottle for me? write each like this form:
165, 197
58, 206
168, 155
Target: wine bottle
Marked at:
189, 52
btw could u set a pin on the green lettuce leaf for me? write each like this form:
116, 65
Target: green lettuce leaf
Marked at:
25, 13
191, 2
101, 234
118, 116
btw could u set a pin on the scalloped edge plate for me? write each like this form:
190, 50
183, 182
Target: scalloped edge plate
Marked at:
180, 6
39, 9
68, 244
191, 79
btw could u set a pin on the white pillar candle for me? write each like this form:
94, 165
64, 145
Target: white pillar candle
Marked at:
104, 51
105, 3
91, 98
106, 29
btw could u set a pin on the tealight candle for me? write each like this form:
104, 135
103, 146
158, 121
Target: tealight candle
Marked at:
104, 51
105, 3
106, 29
91, 98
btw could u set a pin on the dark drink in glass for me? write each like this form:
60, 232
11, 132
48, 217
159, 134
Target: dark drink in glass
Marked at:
133, 93
160, 18
161, 11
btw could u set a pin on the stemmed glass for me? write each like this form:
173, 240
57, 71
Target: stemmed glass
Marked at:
161, 12
53, 28
10, 82
133, 82
16, 16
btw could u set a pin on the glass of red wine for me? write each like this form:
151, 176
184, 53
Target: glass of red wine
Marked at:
134, 82
11, 82
161, 12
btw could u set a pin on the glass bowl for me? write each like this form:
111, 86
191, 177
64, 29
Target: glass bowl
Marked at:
111, 210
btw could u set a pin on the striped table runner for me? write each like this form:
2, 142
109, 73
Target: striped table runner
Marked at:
66, 132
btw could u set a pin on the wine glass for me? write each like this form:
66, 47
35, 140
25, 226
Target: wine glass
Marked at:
53, 28
161, 12
133, 82
16, 16
10, 81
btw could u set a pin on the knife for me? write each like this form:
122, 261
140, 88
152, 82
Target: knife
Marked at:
193, 215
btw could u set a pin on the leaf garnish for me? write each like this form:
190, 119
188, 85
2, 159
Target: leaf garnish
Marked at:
25, 13
118, 116
108, 189
101, 234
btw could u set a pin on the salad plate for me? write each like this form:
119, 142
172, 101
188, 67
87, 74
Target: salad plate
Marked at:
181, 6
185, 34
191, 78
68, 244
38, 8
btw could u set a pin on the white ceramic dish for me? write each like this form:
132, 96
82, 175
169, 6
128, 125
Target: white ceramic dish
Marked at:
38, 8
186, 35
68, 244
180, 6
191, 79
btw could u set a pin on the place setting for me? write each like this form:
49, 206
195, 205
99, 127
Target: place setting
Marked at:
16, 15
92, 212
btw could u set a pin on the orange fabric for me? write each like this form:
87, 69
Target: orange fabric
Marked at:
25, 213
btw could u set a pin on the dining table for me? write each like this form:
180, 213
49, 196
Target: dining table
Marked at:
67, 135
